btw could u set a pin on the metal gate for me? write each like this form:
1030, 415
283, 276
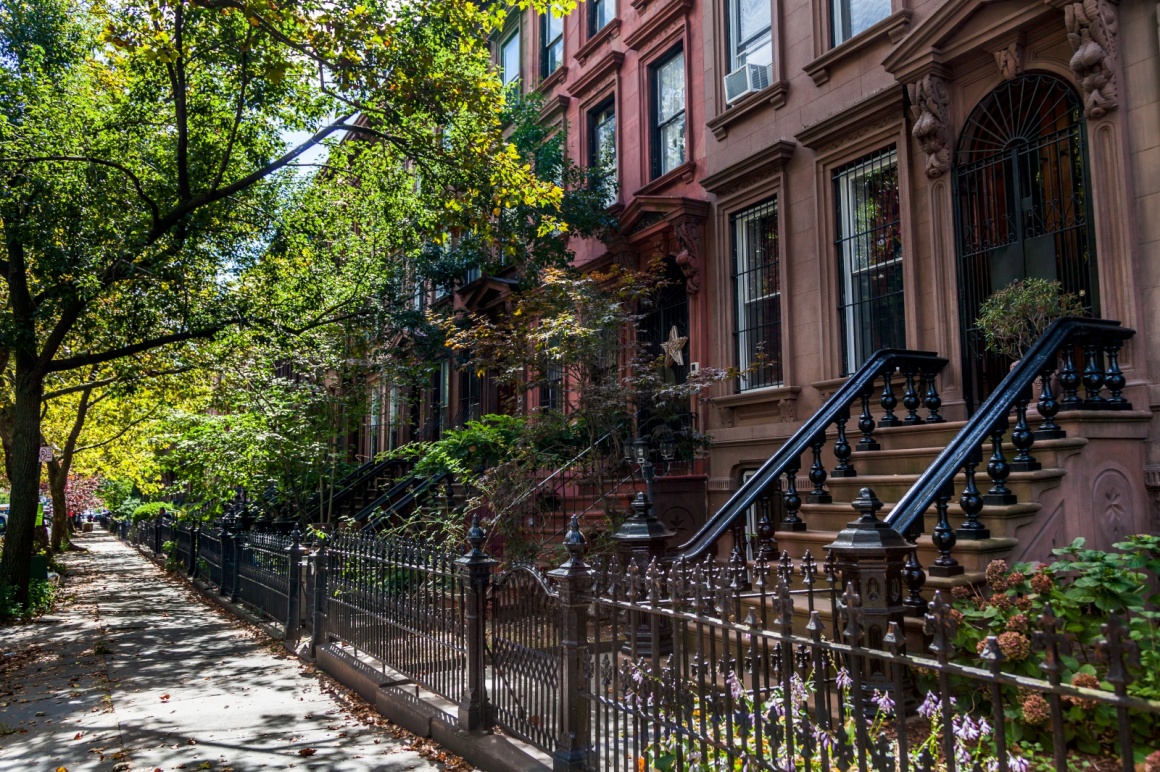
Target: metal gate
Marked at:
1022, 208
524, 659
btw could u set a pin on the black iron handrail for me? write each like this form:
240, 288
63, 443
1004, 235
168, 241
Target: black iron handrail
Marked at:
994, 411
398, 489
837, 406
411, 496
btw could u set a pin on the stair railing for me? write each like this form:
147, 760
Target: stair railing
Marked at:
917, 372
1099, 341
415, 494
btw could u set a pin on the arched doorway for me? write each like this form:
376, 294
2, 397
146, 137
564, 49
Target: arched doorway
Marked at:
1022, 207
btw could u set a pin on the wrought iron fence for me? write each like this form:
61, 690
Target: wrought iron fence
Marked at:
524, 655
400, 601
208, 557
184, 535
263, 572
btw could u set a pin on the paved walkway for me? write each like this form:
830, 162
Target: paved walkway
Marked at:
136, 672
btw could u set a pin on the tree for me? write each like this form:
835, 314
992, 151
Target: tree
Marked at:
143, 168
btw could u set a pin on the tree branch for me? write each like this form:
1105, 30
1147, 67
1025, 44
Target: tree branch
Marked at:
65, 391
119, 434
100, 162
81, 360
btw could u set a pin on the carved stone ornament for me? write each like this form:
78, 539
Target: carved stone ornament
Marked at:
931, 123
1010, 60
1091, 30
688, 259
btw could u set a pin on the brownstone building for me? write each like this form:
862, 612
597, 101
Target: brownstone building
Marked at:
831, 178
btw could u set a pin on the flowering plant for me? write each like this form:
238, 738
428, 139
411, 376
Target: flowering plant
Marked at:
731, 729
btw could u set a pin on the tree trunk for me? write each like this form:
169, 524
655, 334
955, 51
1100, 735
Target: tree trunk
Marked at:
57, 484
24, 470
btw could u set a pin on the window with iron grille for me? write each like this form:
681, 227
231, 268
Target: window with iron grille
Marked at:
509, 58
668, 113
600, 12
552, 387
551, 43
757, 283
869, 248
851, 17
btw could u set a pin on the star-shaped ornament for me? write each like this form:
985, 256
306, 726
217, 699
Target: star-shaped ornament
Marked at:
673, 348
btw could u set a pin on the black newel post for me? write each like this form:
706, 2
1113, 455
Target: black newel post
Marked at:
293, 594
642, 536
239, 555
475, 574
318, 629
574, 580
872, 558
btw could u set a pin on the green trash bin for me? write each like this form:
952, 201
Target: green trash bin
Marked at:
39, 567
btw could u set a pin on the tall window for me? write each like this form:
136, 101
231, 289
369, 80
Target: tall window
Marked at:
851, 17
551, 43
869, 247
668, 108
600, 12
757, 282
509, 58
602, 141
749, 33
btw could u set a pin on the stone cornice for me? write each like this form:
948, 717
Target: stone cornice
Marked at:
893, 27
609, 63
758, 166
877, 108
649, 29
608, 32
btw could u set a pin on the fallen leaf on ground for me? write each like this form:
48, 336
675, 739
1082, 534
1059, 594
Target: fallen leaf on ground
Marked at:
307, 752
165, 698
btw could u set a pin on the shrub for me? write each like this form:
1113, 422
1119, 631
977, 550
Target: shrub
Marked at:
1014, 317
41, 598
152, 509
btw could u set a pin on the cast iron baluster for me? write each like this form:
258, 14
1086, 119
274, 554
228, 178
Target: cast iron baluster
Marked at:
738, 571
1114, 378
793, 501
972, 502
766, 544
1069, 380
842, 448
1093, 378
866, 425
915, 578
932, 401
941, 627
998, 469
911, 401
1048, 408
888, 401
818, 473
1022, 438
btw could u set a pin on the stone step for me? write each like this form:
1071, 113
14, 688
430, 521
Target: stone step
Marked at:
1002, 520
973, 555
1049, 453
891, 487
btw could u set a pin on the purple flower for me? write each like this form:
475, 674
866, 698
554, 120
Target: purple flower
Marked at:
1018, 764
883, 701
983, 727
930, 707
637, 676
735, 687
966, 729
844, 681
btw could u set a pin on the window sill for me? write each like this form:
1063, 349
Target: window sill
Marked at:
893, 27
684, 173
774, 94
761, 403
608, 32
827, 388
548, 83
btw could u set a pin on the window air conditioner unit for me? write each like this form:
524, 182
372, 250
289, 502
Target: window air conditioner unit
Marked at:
745, 80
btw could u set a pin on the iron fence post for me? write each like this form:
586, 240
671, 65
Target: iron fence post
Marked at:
318, 631
872, 558
239, 551
573, 580
194, 544
157, 537
475, 575
292, 596
227, 558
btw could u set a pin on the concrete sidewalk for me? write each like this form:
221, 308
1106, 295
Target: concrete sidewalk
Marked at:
135, 672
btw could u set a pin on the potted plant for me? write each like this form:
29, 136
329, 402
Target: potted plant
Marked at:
1013, 318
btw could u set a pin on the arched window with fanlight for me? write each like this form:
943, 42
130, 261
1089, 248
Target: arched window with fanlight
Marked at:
1022, 207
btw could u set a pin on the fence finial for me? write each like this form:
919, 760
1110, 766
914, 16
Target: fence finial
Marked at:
574, 541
